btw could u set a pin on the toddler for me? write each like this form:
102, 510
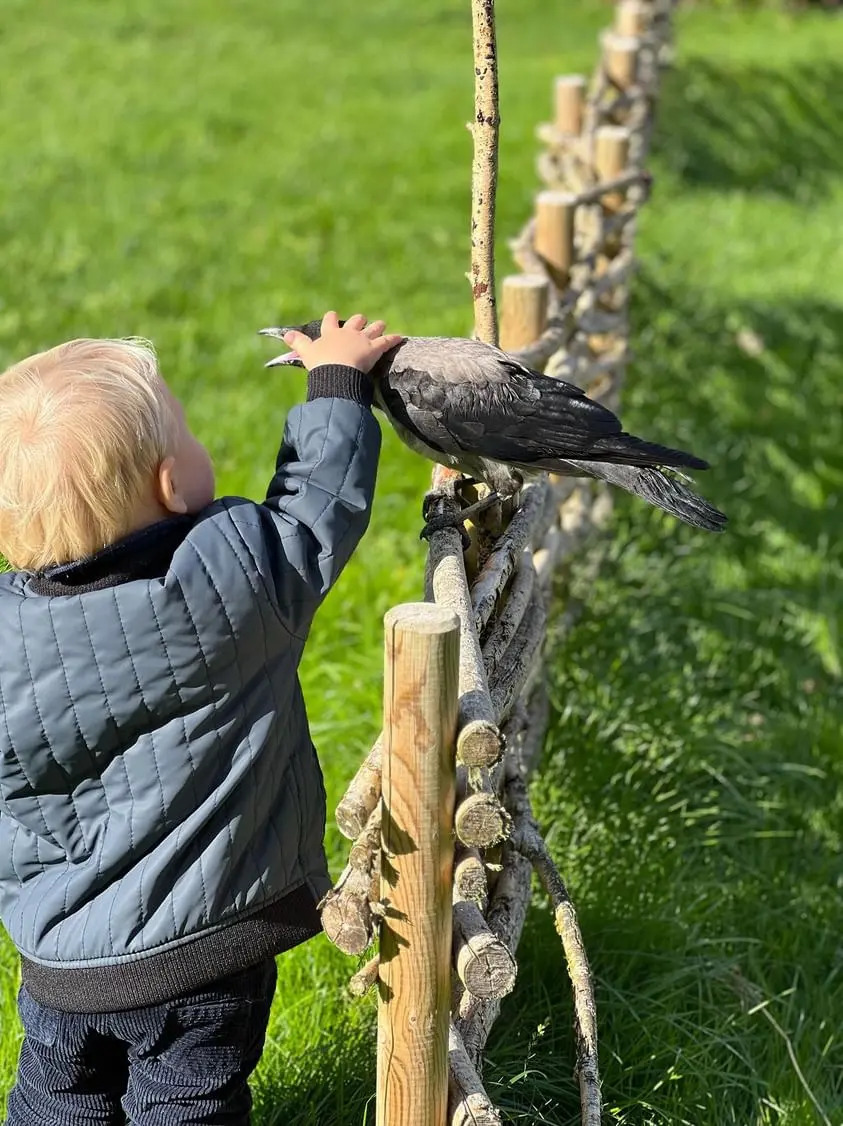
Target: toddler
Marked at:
161, 804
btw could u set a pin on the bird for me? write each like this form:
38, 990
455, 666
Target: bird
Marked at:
473, 407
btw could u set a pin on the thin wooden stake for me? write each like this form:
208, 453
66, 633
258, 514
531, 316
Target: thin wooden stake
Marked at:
414, 978
484, 172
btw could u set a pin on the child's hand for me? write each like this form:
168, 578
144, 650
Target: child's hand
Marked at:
354, 345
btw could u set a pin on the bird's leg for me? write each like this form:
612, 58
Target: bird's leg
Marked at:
457, 519
457, 486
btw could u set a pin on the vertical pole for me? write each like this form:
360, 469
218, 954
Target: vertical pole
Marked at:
414, 978
484, 170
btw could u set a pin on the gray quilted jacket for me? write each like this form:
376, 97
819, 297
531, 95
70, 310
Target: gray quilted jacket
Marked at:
161, 804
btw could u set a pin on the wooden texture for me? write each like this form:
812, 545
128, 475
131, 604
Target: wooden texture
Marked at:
365, 977
468, 1103
362, 795
569, 90
414, 981
521, 657
506, 554
528, 840
611, 151
632, 17
484, 171
470, 876
481, 821
524, 299
505, 625
511, 896
483, 964
611, 154
478, 741
620, 57
347, 914
554, 238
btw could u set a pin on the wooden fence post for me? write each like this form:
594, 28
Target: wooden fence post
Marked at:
524, 299
632, 17
620, 57
569, 100
414, 978
554, 238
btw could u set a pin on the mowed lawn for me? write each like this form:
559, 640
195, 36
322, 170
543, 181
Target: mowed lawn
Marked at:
193, 171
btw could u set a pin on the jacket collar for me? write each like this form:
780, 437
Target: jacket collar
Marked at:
146, 554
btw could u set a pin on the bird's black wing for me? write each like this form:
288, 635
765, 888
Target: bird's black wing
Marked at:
522, 417
466, 397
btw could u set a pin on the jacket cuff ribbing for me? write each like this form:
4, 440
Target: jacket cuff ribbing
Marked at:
336, 381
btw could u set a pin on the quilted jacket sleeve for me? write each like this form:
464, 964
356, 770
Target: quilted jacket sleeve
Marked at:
321, 495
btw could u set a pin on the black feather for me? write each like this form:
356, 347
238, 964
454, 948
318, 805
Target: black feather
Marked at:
661, 490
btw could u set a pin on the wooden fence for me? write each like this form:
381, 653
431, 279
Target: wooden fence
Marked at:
445, 844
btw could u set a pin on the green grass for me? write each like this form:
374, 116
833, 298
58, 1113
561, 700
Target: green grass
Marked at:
191, 172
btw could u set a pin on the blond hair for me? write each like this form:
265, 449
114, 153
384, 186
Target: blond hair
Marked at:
83, 429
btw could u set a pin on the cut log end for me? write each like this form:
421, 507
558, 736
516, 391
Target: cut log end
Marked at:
347, 921
365, 978
488, 972
483, 963
470, 880
481, 821
479, 743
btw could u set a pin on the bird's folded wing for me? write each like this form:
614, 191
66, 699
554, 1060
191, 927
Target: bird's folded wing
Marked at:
524, 417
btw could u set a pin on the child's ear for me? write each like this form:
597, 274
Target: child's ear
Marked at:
168, 490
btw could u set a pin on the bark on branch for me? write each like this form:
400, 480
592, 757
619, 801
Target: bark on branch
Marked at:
528, 841
484, 171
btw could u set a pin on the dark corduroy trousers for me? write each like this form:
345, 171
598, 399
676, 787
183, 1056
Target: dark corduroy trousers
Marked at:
184, 1061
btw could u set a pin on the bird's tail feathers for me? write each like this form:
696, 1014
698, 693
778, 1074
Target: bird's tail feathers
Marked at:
659, 489
626, 449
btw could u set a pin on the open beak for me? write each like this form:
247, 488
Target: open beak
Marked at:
288, 358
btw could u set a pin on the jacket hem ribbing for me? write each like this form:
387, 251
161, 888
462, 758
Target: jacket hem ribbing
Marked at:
156, 978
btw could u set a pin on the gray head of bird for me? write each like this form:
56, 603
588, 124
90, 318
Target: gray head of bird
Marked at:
313, 330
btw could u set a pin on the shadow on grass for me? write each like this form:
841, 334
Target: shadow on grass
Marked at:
753, 127
691, 785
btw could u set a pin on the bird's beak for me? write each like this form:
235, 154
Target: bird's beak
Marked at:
288, 358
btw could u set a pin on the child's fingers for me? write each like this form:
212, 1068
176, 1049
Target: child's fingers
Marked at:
384, 343
330, 320
355, 322
297, 341
375, 329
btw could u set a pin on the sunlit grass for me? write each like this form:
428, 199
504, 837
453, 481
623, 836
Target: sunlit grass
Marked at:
192, 172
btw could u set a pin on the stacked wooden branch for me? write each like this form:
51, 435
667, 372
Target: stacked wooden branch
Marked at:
567, 312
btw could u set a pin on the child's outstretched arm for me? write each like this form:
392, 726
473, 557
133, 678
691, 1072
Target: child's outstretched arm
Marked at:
321, 495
